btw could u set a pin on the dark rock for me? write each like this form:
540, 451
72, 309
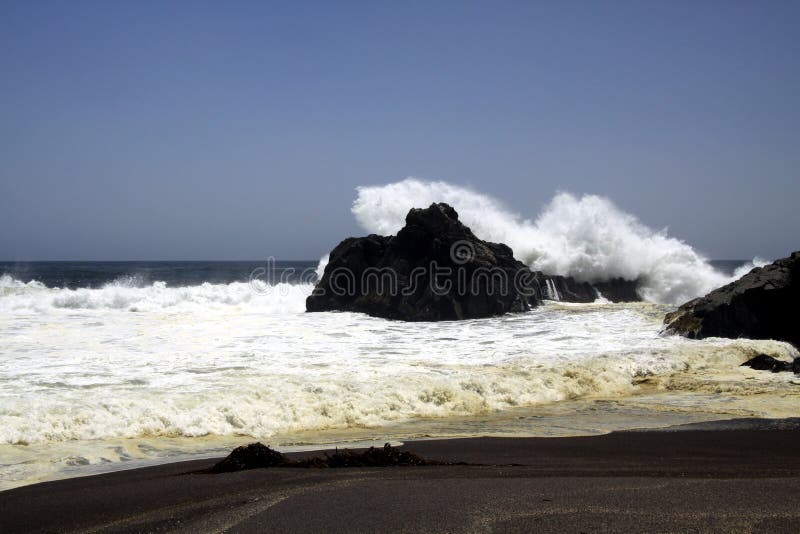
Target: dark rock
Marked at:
763, 304
796, 366
619, 290
434, 269
251, 456
564, 288
567, 289
763, 362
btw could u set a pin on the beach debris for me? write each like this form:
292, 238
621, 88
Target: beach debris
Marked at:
258, 455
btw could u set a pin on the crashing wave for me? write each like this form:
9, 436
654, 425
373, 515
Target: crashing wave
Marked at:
129, 294
585, 237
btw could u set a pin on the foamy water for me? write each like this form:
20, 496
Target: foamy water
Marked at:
92, 377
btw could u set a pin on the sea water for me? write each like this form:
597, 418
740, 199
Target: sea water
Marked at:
108, 365
138, 370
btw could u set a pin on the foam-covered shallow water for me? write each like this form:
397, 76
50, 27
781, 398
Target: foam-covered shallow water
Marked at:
106, 365
99, 378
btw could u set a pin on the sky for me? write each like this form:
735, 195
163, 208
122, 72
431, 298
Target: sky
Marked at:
239, 130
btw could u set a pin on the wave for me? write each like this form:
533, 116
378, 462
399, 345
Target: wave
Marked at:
130, 293
10, 285
586, 237
262, 405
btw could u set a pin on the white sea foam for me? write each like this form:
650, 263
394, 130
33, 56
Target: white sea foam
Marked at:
749, 266
216, 361
229, 359
323, 262
129, 294
587, 237
10, 285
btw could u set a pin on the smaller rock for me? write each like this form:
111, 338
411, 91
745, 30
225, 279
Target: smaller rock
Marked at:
258, 455
763, 362
252, 456
619, 290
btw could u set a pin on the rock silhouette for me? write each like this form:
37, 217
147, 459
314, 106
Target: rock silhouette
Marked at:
435, 269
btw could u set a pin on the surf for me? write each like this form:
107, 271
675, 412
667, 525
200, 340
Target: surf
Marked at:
587, 237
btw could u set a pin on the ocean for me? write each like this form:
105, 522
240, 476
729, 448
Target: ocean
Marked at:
111, 365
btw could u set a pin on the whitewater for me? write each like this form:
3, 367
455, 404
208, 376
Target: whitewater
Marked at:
137, 371
586, 237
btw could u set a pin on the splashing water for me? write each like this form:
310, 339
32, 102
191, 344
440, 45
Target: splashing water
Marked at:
586, 237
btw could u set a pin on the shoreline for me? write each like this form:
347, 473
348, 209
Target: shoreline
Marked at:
564, 419
730, 474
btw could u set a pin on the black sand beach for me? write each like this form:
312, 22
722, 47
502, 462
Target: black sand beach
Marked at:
731, 477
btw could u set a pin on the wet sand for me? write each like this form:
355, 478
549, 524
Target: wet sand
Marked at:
733, 477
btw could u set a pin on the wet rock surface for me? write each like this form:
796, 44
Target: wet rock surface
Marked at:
763, 304
618, 290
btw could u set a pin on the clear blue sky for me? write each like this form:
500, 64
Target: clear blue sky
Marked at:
237, 130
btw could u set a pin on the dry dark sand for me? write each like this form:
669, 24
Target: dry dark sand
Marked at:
734, 479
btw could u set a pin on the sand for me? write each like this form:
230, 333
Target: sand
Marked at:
729, 477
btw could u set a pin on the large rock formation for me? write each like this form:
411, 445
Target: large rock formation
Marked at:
434, 269
763, 304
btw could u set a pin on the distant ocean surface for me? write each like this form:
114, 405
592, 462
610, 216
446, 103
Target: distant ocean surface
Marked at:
105, 365
96, 274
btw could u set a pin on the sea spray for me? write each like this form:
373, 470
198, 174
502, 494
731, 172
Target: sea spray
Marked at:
586, 237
